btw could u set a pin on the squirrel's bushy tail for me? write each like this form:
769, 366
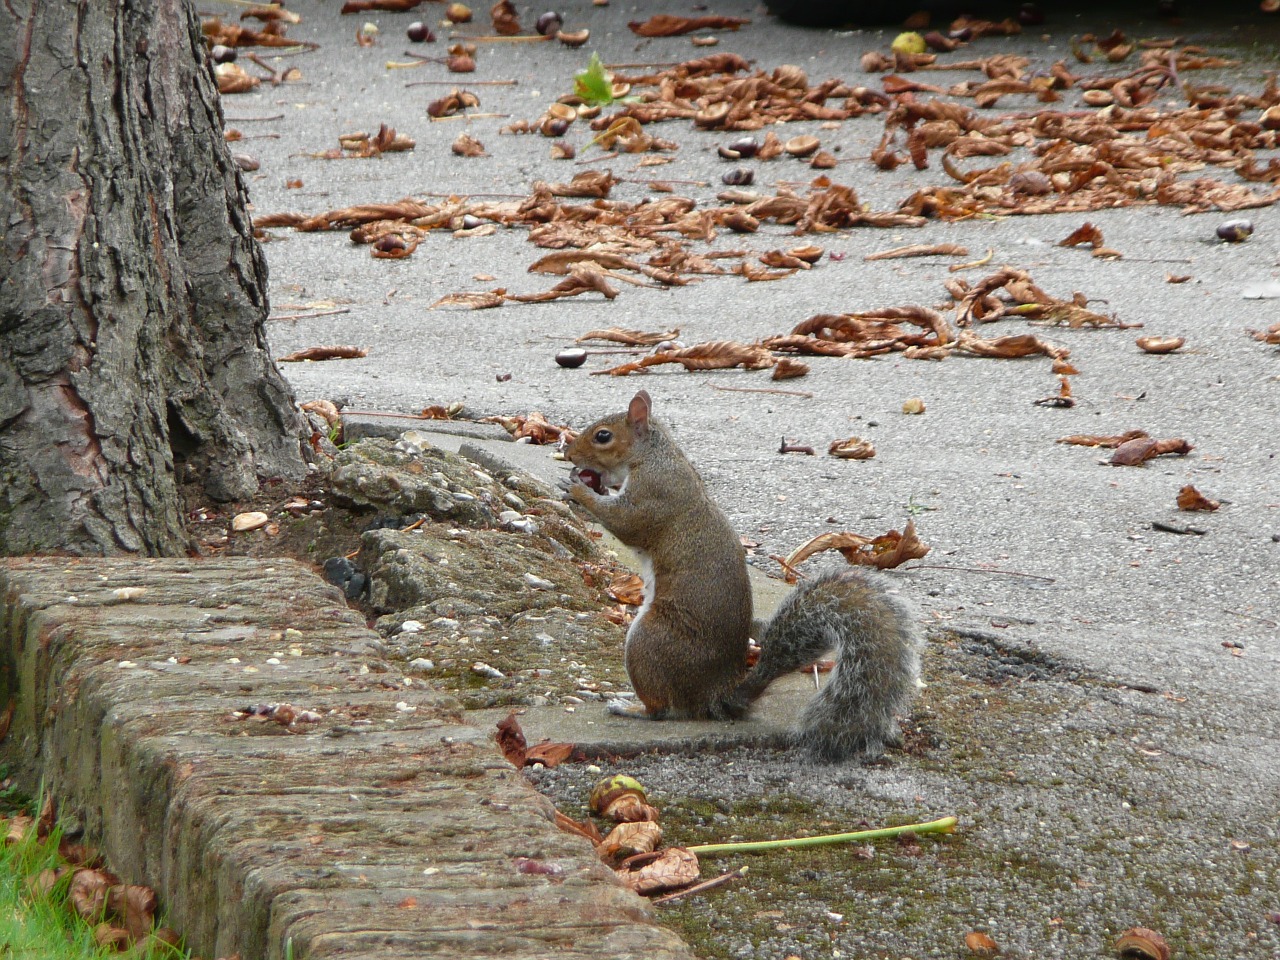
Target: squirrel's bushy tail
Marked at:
876, 640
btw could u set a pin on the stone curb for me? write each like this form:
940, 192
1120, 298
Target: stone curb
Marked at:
387, 828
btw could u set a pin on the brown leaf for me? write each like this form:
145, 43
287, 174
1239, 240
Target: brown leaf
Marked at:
505, 21
885, 551
324, 353
476, 301
110, 936
776, 258
325, 409
787, 369
626, 587
550, 754
638, 338
363, 6
581, 280
468, 146
1086, 233
6, 718
920, 250
587, 830
714, 355
511, 741
452, 103
47, 818
1159, 344
675, 867
1134, 452
135, 906
1017, 345
1100, 440
533, 426
1190, 499
852, 448
233, 79
88, 892
43, 883
668, 25
981, 945
627, 839
590, 183
562, 261
78, 854
18, 829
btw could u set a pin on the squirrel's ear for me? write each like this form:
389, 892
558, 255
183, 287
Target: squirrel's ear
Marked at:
638, 412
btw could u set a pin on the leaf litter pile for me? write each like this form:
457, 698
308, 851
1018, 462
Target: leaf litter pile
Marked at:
122, 916
633, 845
1138, 129
1141, 132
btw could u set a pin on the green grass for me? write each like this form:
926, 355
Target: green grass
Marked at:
39, 927
38, 924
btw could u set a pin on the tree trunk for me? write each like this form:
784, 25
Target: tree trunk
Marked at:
133, 353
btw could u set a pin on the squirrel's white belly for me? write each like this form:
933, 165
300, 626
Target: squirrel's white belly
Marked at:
646, 575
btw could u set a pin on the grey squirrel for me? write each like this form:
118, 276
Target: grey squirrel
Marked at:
686, 650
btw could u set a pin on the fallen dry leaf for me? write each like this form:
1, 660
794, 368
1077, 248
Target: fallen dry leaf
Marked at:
885, 551
88, 892
920, 250
505, 21
475, 301
550, 754
133, 905
852, 448
1270, 335
111, 937
626, 587
324, 353
1191, 499
325, 409
585, 829
511, 741
1135, 452
713, 355
1101, 440
232, 78
1159, 344
1086, 233
18, 828
788, 369
393, 6
468, 146
627, 839
981, 945
668, 25
533, 426
675, 867
638, 338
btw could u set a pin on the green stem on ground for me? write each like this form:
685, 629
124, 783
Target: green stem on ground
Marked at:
945, 825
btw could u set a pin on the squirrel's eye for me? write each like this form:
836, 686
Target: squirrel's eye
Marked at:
603, 436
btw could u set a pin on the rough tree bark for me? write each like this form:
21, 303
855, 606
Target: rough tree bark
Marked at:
133, 352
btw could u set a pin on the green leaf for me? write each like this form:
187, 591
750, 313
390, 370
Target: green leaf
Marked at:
594, 84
